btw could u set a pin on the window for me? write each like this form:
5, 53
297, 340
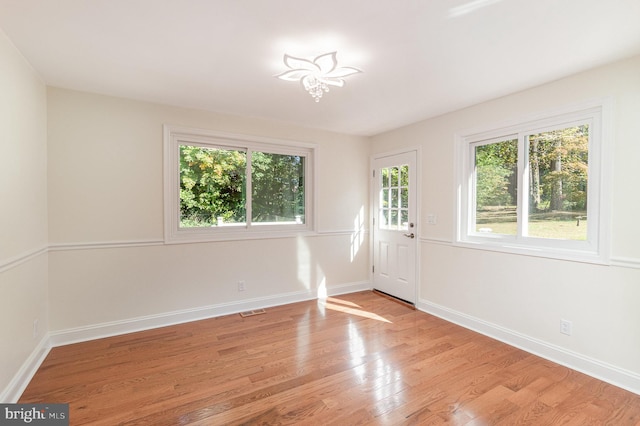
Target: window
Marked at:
394, 198
220, 186
534, 186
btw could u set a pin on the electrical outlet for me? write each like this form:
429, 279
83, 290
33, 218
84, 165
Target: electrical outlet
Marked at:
566, 327
35, 328
240, 285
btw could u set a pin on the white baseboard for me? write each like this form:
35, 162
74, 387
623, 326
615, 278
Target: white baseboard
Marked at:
114, 328
600, 370
18, 384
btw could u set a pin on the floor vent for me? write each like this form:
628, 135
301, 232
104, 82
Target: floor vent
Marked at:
252, 313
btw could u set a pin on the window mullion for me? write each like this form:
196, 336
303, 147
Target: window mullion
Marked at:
248, 190
593, 179
522, 209
471, 180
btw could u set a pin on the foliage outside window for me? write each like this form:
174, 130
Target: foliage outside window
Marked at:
496, 187
226, 188
278, 188
534, 185
212, 186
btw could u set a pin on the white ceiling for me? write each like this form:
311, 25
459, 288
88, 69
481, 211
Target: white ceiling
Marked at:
420, 58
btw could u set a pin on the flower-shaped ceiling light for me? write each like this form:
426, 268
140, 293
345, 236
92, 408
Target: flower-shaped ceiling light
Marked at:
316, 76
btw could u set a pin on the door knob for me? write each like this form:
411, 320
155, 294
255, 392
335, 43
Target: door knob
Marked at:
411, 235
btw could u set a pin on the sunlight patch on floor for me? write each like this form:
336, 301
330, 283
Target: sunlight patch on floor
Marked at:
342, 302
349, 310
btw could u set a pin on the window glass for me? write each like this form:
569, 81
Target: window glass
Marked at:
556, 179
277, 183
558, 170
496, 187
212, 186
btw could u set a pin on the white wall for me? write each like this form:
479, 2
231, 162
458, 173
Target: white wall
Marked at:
23, 215
107, 263
521, 299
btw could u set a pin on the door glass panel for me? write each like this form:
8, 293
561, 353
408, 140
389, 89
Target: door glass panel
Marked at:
394, 176
404, 198
394, 198
384, 218
384, 199
404, 180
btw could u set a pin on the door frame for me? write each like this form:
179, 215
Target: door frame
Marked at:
417, 151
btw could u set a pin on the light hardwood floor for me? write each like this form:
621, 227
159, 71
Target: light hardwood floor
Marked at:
354, 359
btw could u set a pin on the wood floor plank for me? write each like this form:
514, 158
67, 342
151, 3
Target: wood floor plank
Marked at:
348, 360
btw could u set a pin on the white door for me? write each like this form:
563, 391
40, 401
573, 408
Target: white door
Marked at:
395, 227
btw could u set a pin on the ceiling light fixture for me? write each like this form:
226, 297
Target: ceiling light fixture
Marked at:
316, 76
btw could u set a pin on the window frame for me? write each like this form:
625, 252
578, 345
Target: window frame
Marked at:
592, 250
175, 136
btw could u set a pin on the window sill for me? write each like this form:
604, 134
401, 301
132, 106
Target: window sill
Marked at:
187, 237
555, 253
